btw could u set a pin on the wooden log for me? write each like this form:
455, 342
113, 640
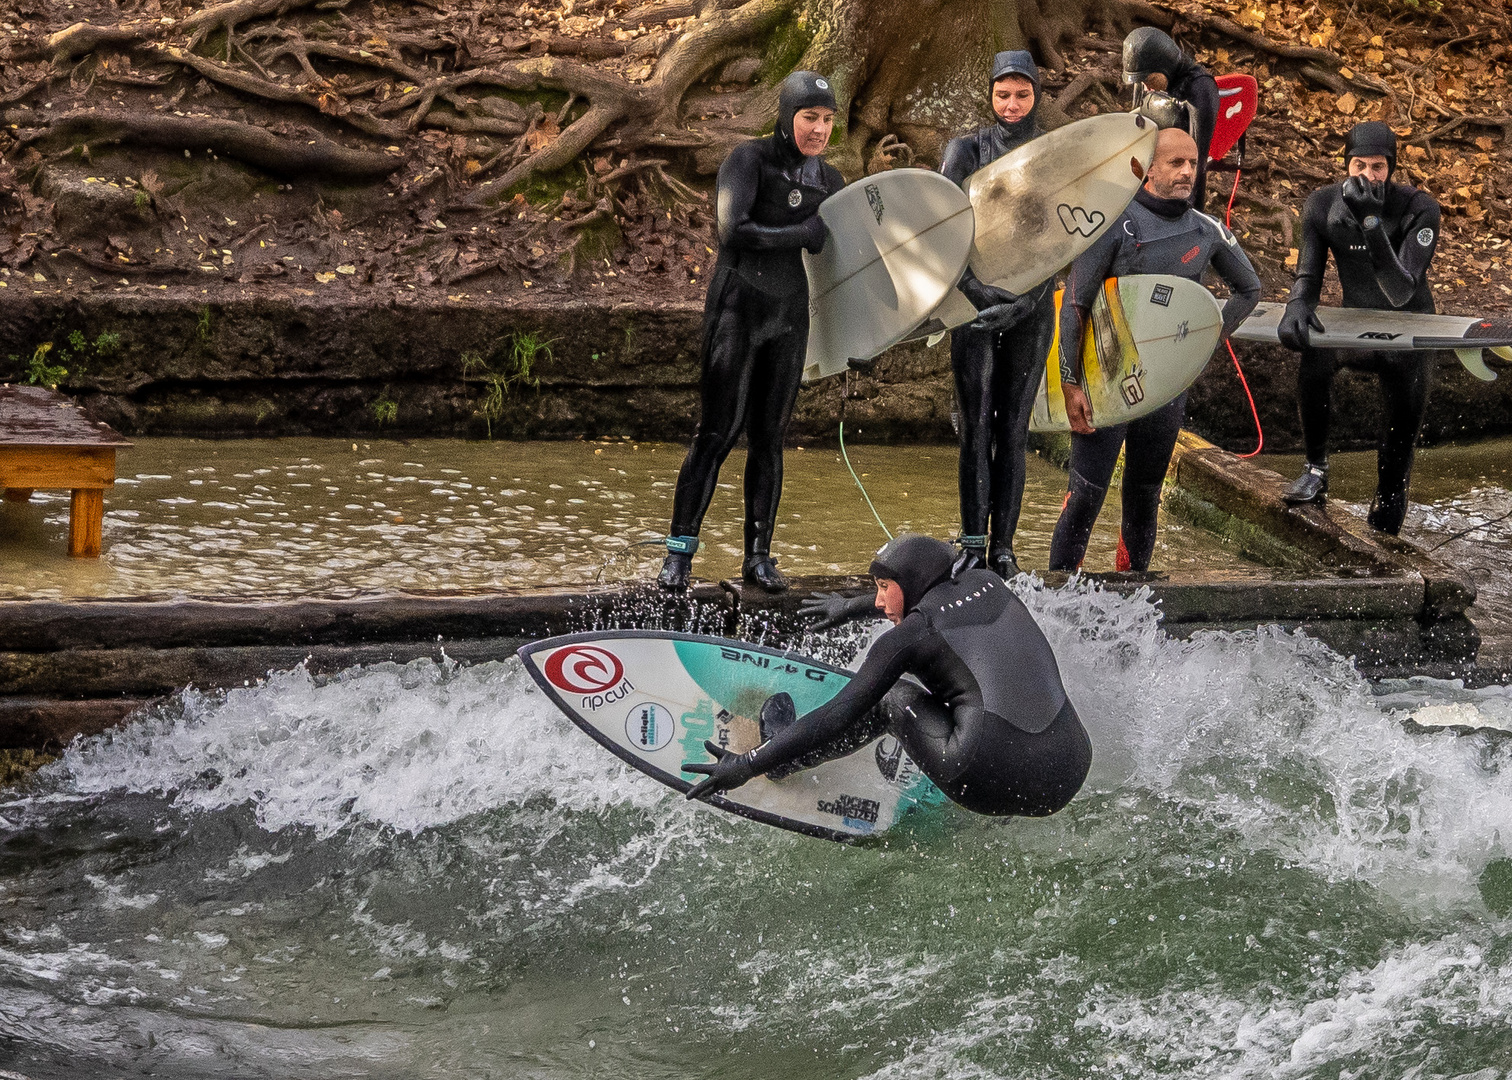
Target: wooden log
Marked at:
18, 495
86, 520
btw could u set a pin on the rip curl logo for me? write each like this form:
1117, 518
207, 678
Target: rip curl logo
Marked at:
795, 198
1189, 256
1078, 220
1425, 237
874, 196
584, 669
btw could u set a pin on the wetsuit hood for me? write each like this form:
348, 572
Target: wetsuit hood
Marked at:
917, 563
1148, 50
1016, 62
1371, 138
800, 90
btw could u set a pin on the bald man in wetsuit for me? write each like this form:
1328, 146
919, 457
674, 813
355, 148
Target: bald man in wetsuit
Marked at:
988, 720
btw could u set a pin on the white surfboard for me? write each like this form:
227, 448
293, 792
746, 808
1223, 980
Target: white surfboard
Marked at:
1148, 338
1392, 331
897, 244
1040, 206
653, 697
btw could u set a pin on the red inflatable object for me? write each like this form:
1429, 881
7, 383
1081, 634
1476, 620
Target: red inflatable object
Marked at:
1238, 100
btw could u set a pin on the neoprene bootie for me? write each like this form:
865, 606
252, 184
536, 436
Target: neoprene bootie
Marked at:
761, 570
1311, 486
1004, 564
675, 571
1387, 513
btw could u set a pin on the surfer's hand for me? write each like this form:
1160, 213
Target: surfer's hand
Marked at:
1363, 198
1297, 324
826, 610
1003, 315
814, 235
1078, 408
728, 771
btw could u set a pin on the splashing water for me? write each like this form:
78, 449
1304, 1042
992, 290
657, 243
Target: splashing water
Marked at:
425, 871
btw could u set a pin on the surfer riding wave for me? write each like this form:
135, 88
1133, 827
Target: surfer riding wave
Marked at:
987, 720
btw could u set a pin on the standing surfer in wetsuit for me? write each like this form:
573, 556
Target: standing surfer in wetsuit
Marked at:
756, 323
1151, 59
1159, 233
991, 724
1383, 236
999, 358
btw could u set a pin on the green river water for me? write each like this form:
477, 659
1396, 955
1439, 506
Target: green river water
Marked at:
425, 871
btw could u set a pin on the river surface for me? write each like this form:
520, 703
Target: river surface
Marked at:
426, 872
1461, 512
328, 517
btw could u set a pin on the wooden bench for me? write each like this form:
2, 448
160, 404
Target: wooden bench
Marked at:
46, 441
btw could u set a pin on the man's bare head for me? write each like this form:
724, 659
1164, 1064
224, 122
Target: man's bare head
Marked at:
1173, 172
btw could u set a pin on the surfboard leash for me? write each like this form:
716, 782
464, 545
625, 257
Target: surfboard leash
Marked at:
1228, 219
845, 394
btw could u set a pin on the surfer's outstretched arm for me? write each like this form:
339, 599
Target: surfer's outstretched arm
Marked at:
822, 611
883, 666
1233, 266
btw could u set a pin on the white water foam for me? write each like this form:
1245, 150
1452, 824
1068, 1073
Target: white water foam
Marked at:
410, 747
1265, 732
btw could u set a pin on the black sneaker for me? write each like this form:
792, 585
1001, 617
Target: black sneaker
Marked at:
675, 571
761, 570
1310, 487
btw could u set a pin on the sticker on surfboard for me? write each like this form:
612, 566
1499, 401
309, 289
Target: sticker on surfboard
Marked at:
1147, 338
652, 698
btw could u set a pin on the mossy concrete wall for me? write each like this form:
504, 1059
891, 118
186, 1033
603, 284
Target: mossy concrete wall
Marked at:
228, 362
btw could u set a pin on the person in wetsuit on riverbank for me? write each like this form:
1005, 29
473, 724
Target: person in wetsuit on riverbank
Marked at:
1159, 233
1151, 59
999, 358
991, 724
1383, 236
756, 323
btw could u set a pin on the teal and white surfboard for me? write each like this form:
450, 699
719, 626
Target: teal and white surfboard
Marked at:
653, 698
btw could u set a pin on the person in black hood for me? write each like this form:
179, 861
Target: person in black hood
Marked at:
988, 719
998, 359
755, 328
1154, 61
1383, 236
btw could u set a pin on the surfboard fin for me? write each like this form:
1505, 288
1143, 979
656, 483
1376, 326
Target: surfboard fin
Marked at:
1475, 364
1502, 351
934, 339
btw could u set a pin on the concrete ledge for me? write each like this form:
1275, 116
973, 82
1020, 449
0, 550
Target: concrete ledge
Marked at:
39, 723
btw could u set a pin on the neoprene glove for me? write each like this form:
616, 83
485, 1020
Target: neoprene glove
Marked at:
823, 611
814, 235
1295, 329
1001, 316
982, 296
728, 771
1363, 198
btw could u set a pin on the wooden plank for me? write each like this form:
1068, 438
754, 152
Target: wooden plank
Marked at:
86, 520
57, 467
18, 495
32, 416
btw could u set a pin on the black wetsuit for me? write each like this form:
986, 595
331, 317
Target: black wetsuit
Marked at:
1385, 267
988, 720
1154, 236
997, 371
755, 327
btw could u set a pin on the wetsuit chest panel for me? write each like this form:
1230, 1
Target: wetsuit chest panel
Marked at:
1160, 245
781, 191
1346, 239
997, 641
